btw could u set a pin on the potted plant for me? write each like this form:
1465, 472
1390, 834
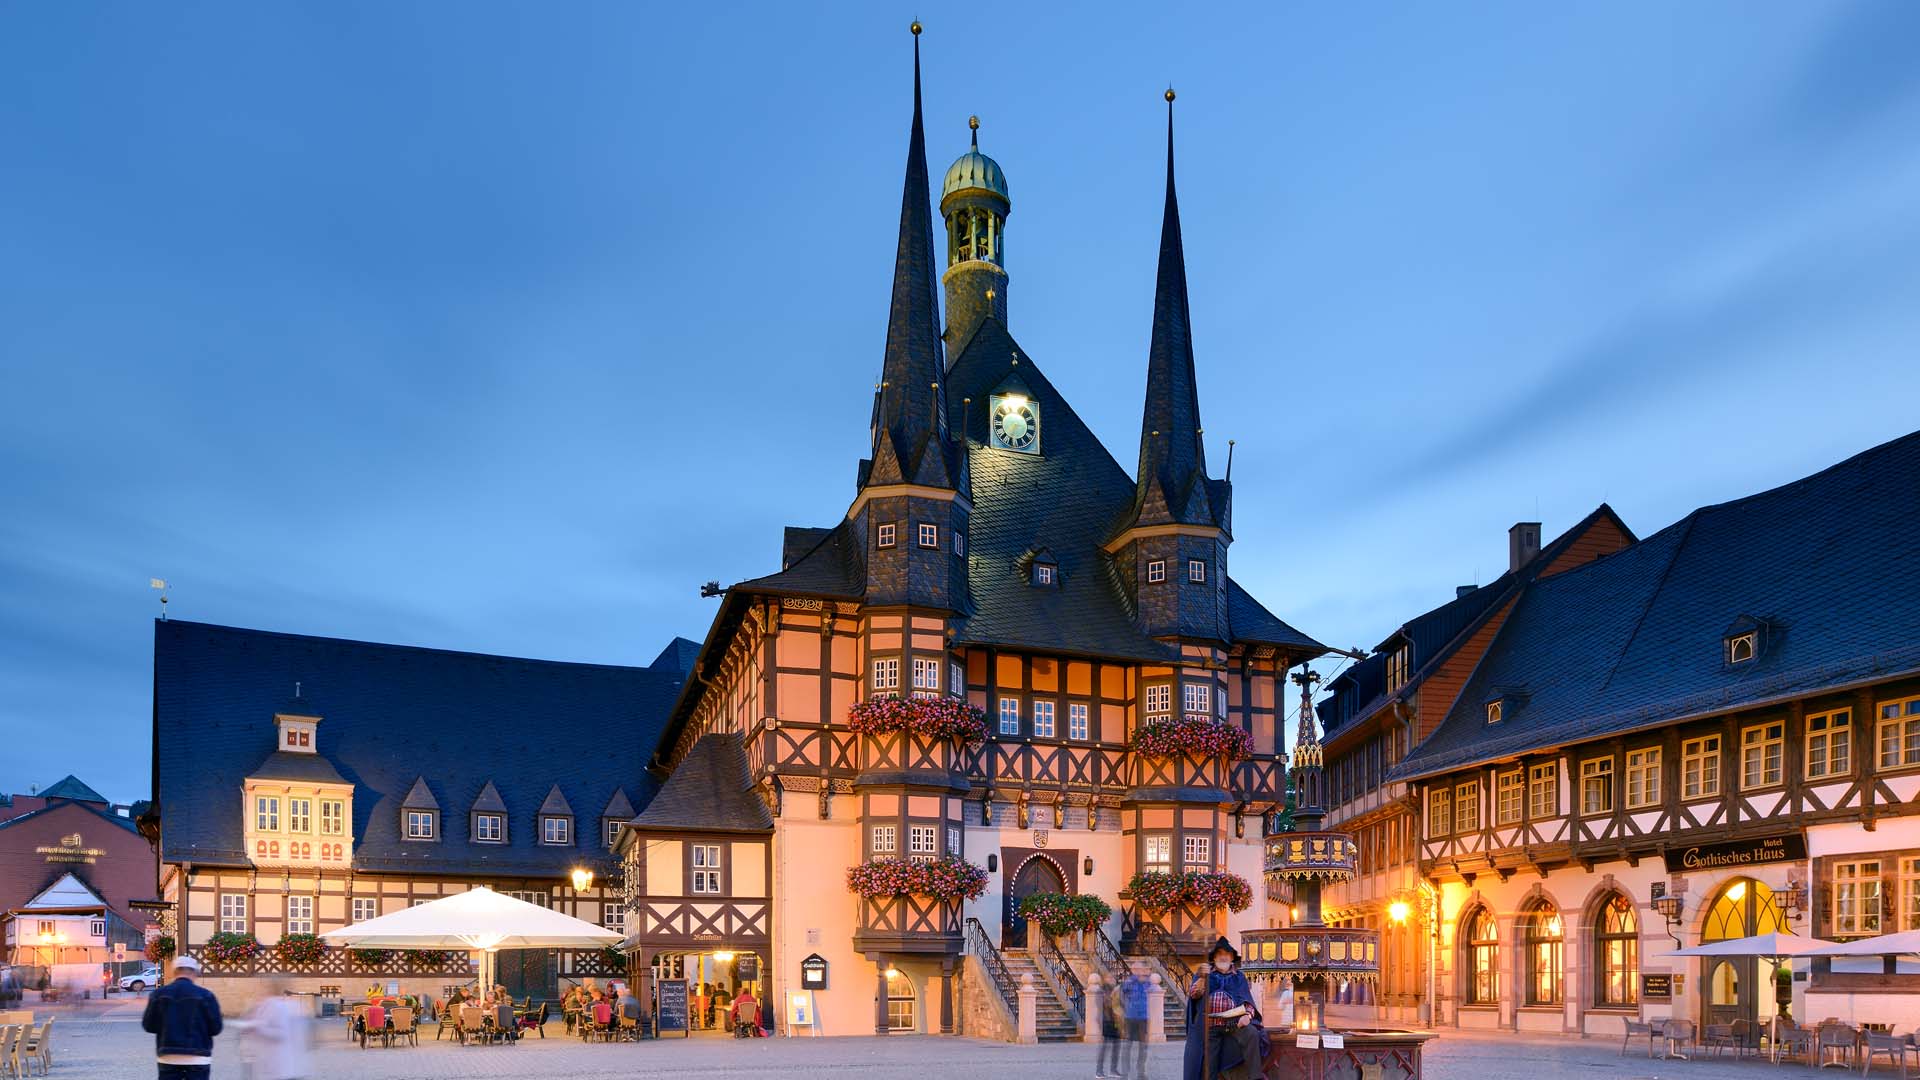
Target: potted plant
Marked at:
1059, 915
1200, 736
160, 949
932, 717
231, 947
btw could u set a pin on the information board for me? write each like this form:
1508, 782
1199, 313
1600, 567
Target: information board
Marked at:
813, 973
670, 1006
800, 1014
1656, 986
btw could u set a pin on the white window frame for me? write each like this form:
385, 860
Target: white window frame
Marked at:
1897, 732
886, 840
960, 544
300, 914
1196, 852
706, 859
362, 908
1158, 856
1079, 725
954, 840
1762, 755
1742, 648
1543, 791
926, 676
1159, 699
613, 916
498, 832
1643, 777
422, 824
1439, 811
1196, 699
923, 843
613, 831
1197, 571
1596, 786
1043, 573
556, 830
1009, 716
233, 912
333, 817
1909, 914
299, 815
956, 679
266, 813
1156, 571
883, 534
886, 673
1857, 907
1043, 719
1829, 743
1510, 797
1700, 768
1466, 808
929, 535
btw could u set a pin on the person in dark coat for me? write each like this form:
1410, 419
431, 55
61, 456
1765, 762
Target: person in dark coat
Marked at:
1230, 1048
183, 1018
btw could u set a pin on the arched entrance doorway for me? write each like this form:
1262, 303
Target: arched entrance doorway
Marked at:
1733, 989
1036, 875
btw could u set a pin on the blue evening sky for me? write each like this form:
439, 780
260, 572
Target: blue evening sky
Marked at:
503, 326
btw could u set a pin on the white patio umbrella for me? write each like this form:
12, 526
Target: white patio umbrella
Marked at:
1904, 943
478, 919
1773, 948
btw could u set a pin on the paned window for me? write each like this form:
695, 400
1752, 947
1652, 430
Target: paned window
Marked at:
1511, 791
1466, 807
1643, 777
299, 914
1196, 570
1009, 716
1760, 748
1156, 571
420, 824
1159, 856
1616, 954
613, 831
233, 913
1397, 668
706, 868
1856, 898
489, 828
956, 680
1043, 719
1909, 894
1042, 574
1543, 791
929, 535
266, 814
299, 815
1439, 811
1898, 732
883, 534
614, 917
1077, 726
364, 908
953, 839
920, 842
885, 840
1159, 699
1543, 940
1493, 712
1197, 852
1194, 699
333, 817
1596, 786
960, 544
1700, 768
1829, 744
556, 830
886, 673
926, 677
1481, 962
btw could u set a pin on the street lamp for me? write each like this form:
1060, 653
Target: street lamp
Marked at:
1398, 912
582, 879
51, 941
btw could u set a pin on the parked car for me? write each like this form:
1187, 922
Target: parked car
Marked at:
140, 980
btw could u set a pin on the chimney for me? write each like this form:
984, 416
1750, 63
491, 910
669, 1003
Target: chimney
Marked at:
1463, 590
1523, 543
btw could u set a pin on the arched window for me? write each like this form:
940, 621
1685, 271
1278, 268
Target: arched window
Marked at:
900, 1002
1479, 958
1616, 953
1541, 937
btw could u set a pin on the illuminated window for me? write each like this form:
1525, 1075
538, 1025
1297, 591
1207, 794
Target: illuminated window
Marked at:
1741, 647
1043, 719
1760, 749
926, 677
1493, 712
1511, 791
1159, 854
1077, 726
1466, 807
1397, 669
1159, 699
1439, 811
1543, 791
1829, 744
1009, 716
1043, 574
1541, 931
1898, 732
1643, 777
1700, 767
886, 673
1856, 898
1616, 954
1481, 944
1596, 786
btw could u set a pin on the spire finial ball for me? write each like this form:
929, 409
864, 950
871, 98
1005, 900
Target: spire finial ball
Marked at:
973, 122
916, 28
1169, 89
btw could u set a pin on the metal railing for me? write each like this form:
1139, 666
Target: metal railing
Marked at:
1107, 955
1050, 960
980, 945
1151, 940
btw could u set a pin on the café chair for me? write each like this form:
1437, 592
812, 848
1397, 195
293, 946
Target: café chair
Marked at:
1637, 1029
404, 1027
1840, 1039
1895, 1047
536, 1020
38, 1042
1678, 1035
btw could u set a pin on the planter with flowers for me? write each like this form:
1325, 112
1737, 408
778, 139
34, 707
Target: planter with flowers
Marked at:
371, 959
1058, 915
298, 950
1188, 905
160, 949
229, 951
905, 738
904, 901
1188, 752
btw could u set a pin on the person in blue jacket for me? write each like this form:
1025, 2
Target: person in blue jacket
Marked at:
1229, 1048
183, 1018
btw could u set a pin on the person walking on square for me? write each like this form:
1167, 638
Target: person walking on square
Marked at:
1112, 1060
1133, 997
276, 1037
183, 1018
1224, 1035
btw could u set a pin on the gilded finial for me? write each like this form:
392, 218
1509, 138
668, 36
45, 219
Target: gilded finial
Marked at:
1169, 86
973, 122
916, 28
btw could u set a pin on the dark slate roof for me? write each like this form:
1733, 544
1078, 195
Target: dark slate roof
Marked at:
556, 804
420, 796
489, 801
710, 789
1436, 634
830, 569
394, 714
71, 787
105, 815
285, 765
1249, 620
618, 807
1831, 563
677, 658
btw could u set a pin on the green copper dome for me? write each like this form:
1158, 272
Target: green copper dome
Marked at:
974, 169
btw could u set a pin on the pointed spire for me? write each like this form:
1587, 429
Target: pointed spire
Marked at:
912, 413
1172, 482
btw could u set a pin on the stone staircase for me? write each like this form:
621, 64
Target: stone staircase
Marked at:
1053, 1019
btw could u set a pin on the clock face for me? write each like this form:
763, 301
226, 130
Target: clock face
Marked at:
1016, 423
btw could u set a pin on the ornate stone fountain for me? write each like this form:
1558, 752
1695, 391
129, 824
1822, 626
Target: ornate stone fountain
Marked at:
1312, 955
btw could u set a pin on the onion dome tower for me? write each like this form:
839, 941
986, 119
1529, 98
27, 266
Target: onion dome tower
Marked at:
1309, 952
974, 202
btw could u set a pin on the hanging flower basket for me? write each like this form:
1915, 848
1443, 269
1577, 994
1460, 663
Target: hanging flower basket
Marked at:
614, 957
160, 948
298, 950
1156, 892
427, 957
1059, 914
1193, 735
228, 947
934, 717
369, 957
950, 879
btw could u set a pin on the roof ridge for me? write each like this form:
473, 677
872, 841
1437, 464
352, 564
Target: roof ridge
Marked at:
161, 624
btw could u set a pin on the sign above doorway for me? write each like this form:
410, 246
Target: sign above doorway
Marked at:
1736, 854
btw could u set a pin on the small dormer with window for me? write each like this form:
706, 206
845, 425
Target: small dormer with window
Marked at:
487, 822
1040, 568
618, 812
1503, 703
556, 820
1743, 643
420, 814
296, 808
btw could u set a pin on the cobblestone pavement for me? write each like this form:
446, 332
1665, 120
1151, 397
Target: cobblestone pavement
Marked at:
111, 1046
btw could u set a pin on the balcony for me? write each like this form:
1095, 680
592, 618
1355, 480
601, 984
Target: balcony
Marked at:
1315, 856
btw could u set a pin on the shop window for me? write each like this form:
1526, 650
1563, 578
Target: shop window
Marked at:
1541, 931
1511, 790
1760, 752
1829, 744
1700, 768
1898, 733
1543, 791
1856, 898
1596, 786
1616, 954
1480, 962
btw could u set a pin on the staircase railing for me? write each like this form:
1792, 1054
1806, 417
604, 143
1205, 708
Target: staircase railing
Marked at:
1108, 957
1152, 941
980, 945
1055, 966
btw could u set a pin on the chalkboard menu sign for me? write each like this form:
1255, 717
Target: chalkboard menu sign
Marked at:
1656, 987
670, 1005
813, 973
746, 967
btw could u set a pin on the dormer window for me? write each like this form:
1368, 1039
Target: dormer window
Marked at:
422, 824
490, 828
612, 827
1043, 574
1742, 647
1494, 708
556, 830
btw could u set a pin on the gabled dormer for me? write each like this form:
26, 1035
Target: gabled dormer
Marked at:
1038, 568
297, 810
618, 812
420, 814
556, 820
487, 822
